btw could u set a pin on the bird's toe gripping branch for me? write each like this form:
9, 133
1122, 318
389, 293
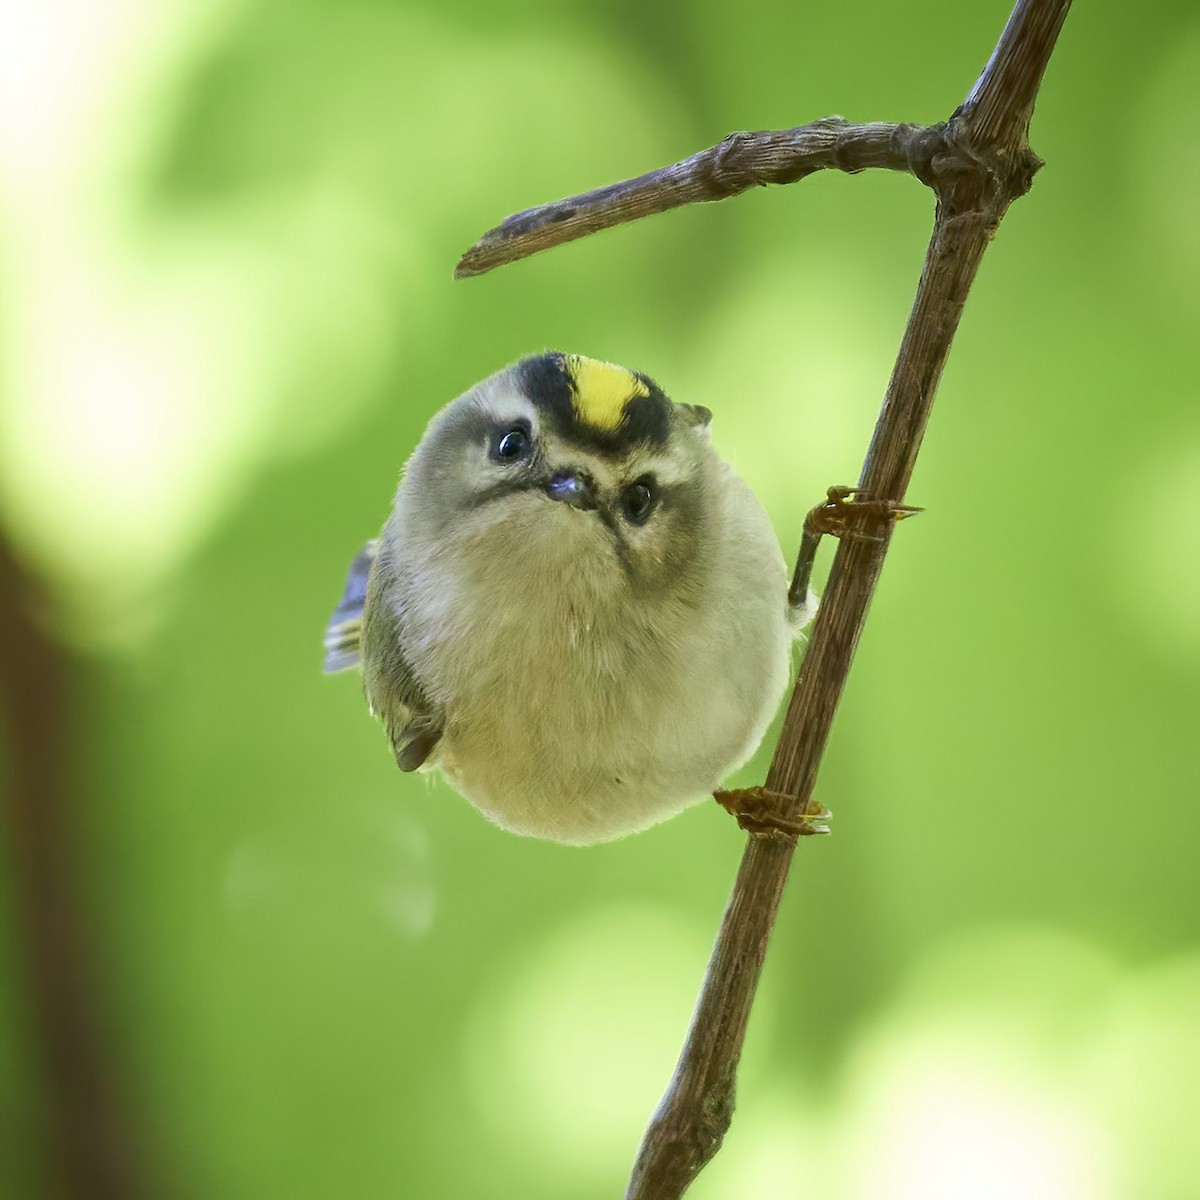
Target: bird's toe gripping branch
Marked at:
759, 811
845, 510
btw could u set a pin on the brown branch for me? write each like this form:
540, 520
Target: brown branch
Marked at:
977, 163
985, 164
88, 1145
737, 163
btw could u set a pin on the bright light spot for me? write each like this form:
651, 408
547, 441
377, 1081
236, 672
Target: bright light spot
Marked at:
108, 475
1023, 1065
117, 446
53, 59
1145, 1075
154, 354
147, 363
972, 1085
945, 1124
581, 1040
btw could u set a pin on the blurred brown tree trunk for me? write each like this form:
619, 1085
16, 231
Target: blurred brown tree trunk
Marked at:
88, 1143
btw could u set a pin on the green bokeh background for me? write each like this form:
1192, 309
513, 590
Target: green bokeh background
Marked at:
227, 233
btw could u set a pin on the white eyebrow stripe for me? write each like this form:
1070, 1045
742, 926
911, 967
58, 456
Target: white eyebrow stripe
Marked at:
671, 476
667, 471
509, 406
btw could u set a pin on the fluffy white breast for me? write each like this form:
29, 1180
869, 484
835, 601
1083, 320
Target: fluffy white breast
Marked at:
574, 712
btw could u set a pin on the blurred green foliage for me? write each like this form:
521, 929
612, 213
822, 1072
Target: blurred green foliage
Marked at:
228, 234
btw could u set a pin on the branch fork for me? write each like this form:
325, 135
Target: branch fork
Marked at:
977, 163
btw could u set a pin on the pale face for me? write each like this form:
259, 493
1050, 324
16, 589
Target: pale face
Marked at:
524, 479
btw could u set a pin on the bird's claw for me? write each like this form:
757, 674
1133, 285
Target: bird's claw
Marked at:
844, 507
759, 812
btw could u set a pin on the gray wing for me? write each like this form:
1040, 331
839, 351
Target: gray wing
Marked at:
343, 634
414, 728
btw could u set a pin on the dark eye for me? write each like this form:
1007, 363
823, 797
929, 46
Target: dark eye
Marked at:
637, 500
510, 445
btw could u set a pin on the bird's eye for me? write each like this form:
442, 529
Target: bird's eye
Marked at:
637, 500
510, 445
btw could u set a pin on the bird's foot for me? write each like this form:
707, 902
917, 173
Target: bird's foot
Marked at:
759, 811
844, 510
844, 507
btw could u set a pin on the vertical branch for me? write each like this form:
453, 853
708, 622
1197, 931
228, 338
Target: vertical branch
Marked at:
985, 163
1000, 105
688, 1128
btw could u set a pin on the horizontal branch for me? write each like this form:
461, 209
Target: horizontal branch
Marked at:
736, 164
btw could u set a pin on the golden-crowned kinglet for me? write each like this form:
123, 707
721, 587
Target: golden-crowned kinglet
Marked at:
576, 610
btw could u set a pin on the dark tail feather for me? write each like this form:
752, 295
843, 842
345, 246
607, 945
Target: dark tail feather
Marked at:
343, 634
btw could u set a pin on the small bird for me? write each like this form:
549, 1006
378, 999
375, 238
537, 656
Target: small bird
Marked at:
576, 610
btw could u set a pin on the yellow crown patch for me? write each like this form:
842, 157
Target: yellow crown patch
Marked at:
601, 390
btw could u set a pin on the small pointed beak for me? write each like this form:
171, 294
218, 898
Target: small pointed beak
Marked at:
574, 486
